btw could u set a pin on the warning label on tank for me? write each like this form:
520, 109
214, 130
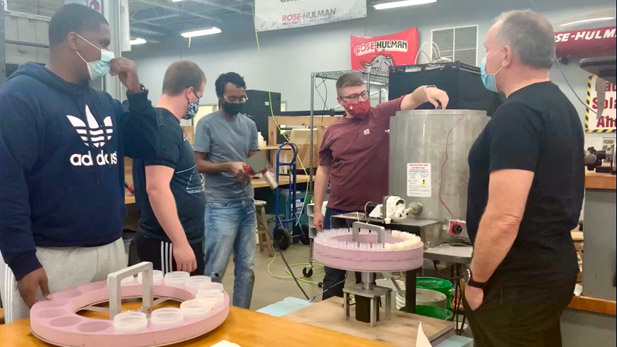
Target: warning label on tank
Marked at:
419, 180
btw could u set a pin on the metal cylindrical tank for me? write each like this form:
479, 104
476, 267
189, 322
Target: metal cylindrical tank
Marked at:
428, 159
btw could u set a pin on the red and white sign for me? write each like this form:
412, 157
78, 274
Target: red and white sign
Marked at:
605, 122
383, 52
586, 42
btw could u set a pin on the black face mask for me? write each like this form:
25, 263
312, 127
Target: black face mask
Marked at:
232, 109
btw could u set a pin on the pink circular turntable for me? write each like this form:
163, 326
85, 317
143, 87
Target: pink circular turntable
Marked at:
368, 248
56, 321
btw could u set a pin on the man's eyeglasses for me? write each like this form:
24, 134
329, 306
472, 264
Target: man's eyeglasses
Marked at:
236, 99
354, 97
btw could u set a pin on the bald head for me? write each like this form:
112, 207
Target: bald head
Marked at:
530, 36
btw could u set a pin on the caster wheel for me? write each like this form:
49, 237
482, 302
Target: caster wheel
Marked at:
282, 238
320, 284
307, 271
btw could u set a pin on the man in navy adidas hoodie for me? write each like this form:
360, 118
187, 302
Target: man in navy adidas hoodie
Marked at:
62, 144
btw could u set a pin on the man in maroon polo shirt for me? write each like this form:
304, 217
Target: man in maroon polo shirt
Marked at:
354, 156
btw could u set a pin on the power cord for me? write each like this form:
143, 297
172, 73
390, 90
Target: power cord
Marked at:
289, 275
287, 265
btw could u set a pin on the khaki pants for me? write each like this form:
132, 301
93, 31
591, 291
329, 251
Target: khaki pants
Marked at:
66, 268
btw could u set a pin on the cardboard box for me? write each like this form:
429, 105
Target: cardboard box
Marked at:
301, 137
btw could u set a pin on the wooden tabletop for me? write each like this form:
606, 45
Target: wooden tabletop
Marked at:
589, 304
401, 330
594, 180
129, 198
283, 181
243, 327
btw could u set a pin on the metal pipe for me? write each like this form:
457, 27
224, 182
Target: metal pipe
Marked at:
25, 15
175, 9
366, 281
25, 43
2, 44
368, 80
310, 182
214, 4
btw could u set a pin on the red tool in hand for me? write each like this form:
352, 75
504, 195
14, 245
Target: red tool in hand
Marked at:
258, 164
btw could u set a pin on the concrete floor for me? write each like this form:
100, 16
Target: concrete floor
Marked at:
268, 289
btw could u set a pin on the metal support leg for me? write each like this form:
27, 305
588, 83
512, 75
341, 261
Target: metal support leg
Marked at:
346, 305
410, 291
373, 312
389, 305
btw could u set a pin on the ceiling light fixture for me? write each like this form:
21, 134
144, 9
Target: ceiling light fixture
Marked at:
588, 21
404, 3
203, 32
138, 41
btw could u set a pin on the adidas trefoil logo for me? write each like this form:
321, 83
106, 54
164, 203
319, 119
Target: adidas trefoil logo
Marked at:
96, 135
93, 134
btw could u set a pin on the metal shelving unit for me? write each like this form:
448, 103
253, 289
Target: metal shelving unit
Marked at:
4, 41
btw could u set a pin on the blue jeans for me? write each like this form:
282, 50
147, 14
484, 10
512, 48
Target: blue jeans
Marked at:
231, 227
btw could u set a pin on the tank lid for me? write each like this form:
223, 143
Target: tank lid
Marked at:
447, 112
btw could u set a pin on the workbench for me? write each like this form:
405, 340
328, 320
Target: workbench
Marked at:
449, 253
243, 327
283, 181
129, 198
401, 330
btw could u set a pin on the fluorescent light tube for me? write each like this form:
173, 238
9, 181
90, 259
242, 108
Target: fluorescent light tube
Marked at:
138, 41
404, 3
209, 31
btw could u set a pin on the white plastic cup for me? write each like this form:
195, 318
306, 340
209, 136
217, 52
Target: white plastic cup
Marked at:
129, 281
214, 298
196, 283
195, 308
167, 317
157, 277
130, 322
212, 286
176, 278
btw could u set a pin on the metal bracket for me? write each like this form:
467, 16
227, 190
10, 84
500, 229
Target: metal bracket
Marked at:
114, 282
357, 226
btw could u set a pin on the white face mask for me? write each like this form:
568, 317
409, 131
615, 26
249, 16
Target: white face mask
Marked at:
98, 68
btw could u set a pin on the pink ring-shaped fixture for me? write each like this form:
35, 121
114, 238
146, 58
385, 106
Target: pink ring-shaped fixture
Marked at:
56, 321
367, 260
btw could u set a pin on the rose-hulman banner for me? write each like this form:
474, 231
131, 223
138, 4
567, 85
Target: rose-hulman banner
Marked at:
383, 52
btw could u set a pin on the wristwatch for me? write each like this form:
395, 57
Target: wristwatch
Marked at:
430, 86
470, 282
142, 89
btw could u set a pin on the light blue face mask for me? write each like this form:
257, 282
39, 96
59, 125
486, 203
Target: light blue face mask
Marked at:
489, 79
98, 68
